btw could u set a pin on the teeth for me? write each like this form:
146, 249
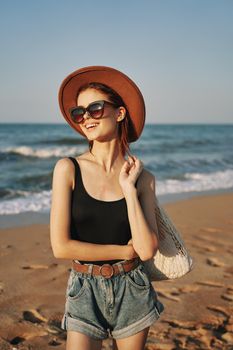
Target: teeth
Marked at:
90, 125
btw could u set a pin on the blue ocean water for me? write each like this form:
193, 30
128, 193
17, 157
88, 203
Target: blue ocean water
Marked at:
185, 159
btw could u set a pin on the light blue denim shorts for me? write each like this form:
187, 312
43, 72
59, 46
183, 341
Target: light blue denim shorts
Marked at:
115, 307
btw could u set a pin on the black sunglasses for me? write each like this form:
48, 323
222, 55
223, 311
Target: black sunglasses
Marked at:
95, 110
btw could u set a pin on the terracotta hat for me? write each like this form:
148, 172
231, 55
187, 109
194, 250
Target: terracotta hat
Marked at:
116, 80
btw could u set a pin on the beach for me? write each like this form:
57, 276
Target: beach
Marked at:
198, 307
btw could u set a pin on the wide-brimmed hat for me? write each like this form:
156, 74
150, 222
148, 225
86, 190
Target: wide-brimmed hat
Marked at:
118, 81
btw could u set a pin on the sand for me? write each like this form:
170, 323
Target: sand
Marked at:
198, 307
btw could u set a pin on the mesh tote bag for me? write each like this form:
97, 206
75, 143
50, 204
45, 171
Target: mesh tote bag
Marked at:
172, 260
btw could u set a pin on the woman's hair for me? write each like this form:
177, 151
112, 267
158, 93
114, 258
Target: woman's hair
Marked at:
123, 125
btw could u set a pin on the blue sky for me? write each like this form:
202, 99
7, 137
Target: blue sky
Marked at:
179, 53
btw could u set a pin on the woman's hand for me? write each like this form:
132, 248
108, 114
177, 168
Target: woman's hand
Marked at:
132, 252
129, 173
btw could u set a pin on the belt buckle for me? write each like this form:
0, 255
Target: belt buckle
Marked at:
106, 276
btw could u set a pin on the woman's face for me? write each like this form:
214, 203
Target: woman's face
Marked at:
107, 125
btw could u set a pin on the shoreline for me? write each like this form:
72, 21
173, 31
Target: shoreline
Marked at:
33, 218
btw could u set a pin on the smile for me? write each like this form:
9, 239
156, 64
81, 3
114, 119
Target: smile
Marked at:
91, 126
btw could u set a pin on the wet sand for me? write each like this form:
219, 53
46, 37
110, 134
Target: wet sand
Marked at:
198, 307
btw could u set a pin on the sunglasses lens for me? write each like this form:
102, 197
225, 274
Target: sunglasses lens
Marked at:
77, 115
96, 110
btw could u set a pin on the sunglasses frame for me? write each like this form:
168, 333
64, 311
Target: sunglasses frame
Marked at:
101, 102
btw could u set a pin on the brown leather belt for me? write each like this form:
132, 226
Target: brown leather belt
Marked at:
106, 270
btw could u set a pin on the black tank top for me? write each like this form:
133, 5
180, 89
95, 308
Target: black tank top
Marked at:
97, 221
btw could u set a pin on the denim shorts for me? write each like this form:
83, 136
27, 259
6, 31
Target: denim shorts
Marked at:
115, 307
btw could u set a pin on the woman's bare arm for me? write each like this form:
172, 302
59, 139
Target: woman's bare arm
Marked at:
64, 247
92, 252
142, 216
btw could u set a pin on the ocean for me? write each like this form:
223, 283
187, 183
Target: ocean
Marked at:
187, 160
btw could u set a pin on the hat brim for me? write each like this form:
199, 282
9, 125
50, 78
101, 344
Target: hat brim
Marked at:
116, 80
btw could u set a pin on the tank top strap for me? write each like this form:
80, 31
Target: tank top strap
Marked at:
77, 170
74, 161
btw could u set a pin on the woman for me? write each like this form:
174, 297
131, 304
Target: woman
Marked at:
102, 214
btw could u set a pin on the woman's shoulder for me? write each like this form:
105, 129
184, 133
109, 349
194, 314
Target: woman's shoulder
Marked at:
63, 164
64, 169
66, 163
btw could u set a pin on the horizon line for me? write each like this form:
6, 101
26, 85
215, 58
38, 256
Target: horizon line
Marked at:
148, 123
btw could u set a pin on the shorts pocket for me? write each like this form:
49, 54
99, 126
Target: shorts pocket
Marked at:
138, 278
76, 286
